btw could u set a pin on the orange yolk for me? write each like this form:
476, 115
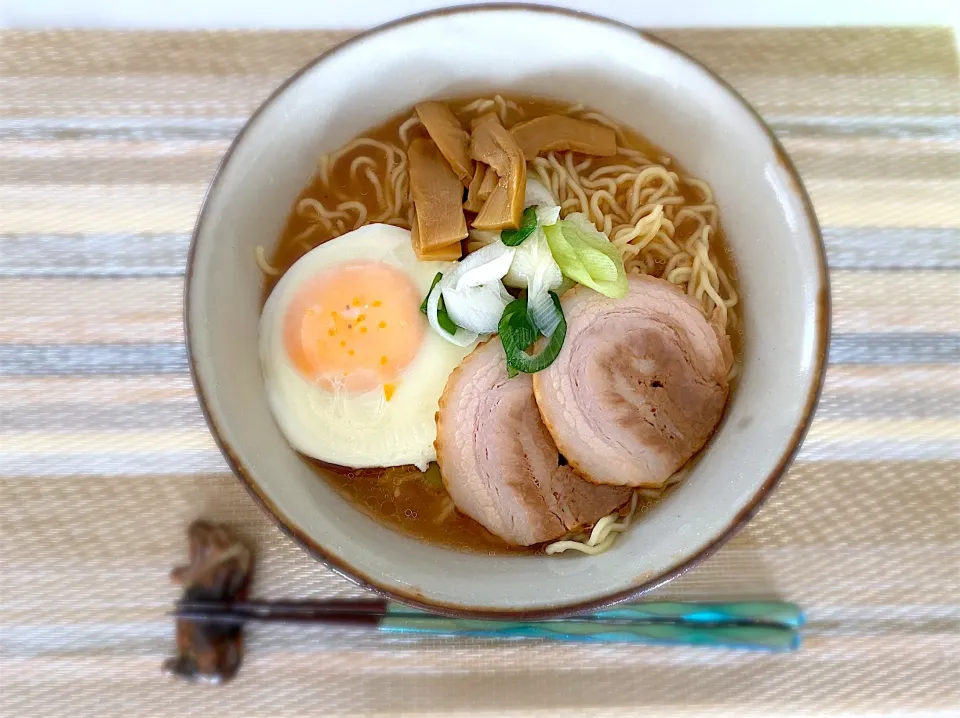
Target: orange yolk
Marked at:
357, 325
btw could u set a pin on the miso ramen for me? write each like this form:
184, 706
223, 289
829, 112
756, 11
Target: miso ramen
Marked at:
507, 323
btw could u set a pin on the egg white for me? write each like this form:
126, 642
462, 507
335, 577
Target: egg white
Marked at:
358, 430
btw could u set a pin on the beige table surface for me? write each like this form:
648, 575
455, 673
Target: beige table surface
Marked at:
107, 142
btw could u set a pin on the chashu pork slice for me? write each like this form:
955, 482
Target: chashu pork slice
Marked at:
500, 465
639, 385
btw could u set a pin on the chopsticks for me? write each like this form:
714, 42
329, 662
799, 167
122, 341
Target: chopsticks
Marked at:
329, 611
769, 625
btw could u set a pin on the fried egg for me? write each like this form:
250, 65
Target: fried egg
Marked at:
353, 373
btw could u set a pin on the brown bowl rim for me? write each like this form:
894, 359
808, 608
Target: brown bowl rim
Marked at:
414, 598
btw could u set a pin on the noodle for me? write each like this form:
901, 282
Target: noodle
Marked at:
361, 162
408, 124
446, 512
502, 106
601, 537
359, 208
381, 197
265, 266
479, 106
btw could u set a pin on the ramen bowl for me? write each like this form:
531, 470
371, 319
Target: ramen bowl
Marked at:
630, 76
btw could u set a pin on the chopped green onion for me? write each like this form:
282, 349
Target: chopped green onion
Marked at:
513, 237
442, 317
436, 281
587, 255
445, 321
517, 333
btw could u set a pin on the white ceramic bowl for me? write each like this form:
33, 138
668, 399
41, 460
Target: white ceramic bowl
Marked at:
631, 77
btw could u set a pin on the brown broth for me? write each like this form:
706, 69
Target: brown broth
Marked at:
412, 506
412, 502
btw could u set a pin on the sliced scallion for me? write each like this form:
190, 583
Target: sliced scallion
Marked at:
517, 333
442, 317
513, 237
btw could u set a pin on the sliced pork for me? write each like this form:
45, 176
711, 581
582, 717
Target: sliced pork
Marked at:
639, 385
500, 465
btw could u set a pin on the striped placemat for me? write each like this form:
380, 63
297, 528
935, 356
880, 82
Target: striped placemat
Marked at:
107, 141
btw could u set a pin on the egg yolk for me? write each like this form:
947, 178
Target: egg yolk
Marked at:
356, 326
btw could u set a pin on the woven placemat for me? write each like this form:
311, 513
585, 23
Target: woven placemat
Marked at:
107, 141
